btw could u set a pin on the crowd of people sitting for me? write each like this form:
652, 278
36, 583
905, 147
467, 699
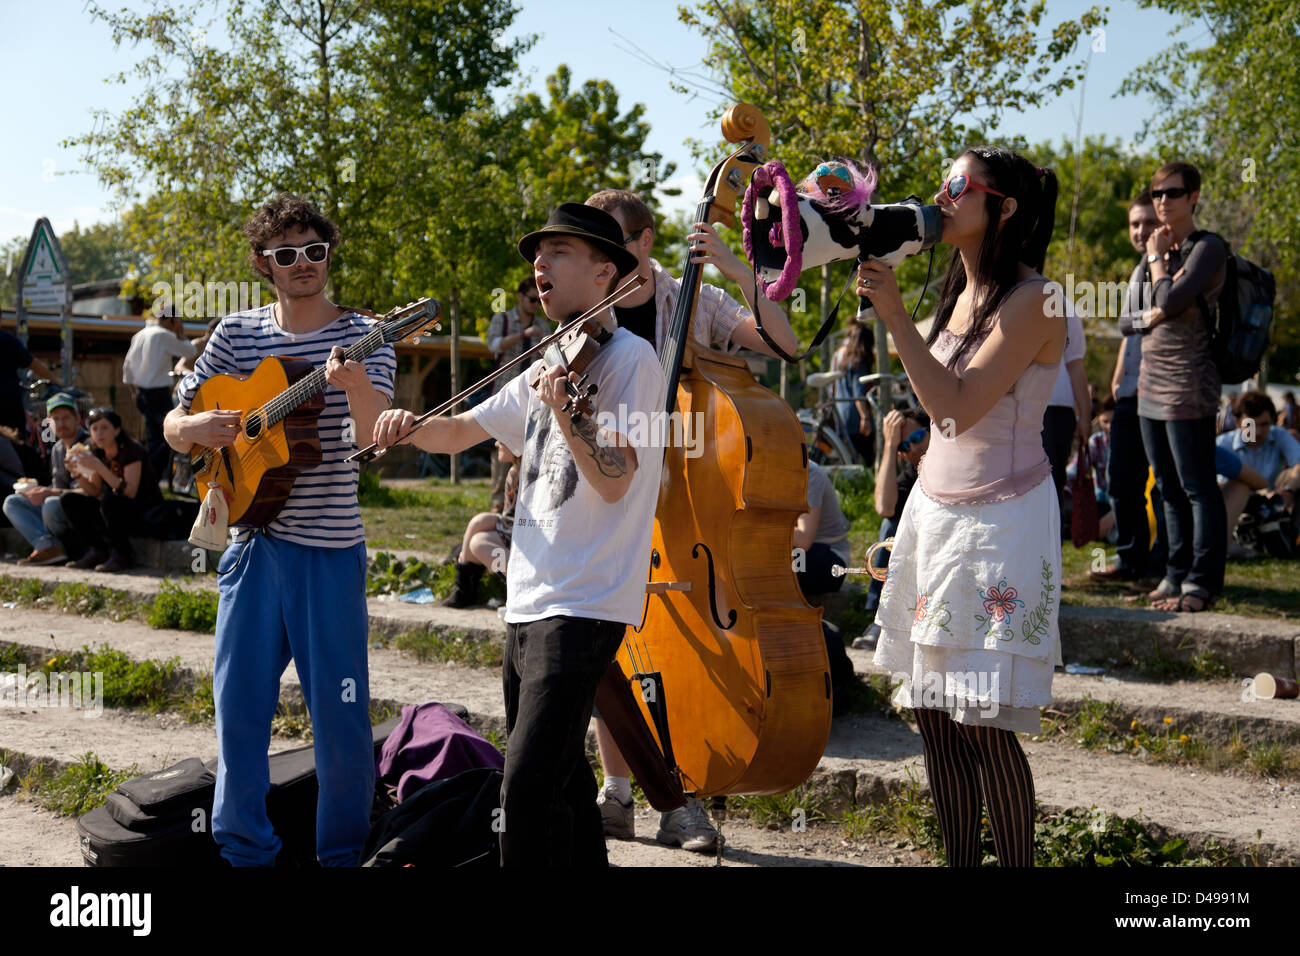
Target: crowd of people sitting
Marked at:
78, 489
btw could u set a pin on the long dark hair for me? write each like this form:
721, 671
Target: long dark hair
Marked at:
1022, 238
859, 345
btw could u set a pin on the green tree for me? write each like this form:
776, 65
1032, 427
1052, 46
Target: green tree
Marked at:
897, 86
1233, 108
95, 253
307, 96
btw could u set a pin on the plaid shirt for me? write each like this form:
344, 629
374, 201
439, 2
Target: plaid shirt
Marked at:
716, 313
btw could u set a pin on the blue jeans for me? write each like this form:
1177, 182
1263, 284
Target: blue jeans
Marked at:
43, 525
1182, 455
888, 528
280, 600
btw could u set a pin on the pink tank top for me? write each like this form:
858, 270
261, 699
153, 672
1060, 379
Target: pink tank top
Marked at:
1000, 456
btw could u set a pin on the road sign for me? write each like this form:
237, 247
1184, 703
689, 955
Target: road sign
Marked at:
44, 283
43, 277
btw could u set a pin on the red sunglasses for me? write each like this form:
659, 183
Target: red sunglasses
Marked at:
956, 186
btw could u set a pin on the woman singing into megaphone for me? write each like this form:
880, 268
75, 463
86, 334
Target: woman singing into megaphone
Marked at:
968, 612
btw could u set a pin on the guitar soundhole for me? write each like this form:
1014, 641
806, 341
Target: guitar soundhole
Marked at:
253, 427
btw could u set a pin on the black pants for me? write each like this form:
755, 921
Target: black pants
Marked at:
1126, 479
550, 674
105, 523
154, 404
1058, 435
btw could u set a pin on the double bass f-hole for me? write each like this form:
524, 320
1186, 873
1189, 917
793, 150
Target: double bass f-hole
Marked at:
713, 590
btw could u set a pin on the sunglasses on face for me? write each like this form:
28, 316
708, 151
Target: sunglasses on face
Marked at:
911, 439
285, 256
1173, 192
957, 186
534, 299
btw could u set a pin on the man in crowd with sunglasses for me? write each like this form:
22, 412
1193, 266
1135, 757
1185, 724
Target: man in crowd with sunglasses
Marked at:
583, 520
907, 438
509, 334
297, 589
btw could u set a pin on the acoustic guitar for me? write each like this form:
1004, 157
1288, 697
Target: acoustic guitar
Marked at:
281, 403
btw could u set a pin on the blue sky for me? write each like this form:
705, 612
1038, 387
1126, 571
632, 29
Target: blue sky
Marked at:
56, 59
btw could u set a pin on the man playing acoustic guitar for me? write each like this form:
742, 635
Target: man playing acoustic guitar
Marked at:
583, 520
297, 589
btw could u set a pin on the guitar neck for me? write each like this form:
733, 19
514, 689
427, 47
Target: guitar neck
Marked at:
284, 404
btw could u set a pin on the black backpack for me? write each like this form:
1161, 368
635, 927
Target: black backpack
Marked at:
1239, 326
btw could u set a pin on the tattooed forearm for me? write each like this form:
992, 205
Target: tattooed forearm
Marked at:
611, 461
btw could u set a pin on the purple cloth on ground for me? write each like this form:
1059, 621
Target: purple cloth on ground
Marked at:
431, 743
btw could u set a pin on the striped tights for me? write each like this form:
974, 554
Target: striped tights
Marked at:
964, 761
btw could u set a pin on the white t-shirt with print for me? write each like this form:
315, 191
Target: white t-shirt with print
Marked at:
573, 553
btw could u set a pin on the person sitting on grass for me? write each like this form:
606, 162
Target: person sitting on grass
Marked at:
37, 510
118, 490
486, 543
1269, 454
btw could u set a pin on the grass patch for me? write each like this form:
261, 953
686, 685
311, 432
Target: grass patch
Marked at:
455, 647
78, 789
92, 599
797, 808
26, 592
183, 609
1102, 725
1075, 837
430, 518
149, 684
1255, 587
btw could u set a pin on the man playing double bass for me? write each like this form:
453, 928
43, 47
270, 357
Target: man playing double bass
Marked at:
583, 521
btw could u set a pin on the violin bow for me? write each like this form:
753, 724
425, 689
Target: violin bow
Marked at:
372, 451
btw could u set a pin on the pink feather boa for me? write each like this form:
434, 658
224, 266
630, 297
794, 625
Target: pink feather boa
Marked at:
785, 234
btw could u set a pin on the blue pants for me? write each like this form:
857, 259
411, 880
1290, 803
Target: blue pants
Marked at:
281, 600
43, 525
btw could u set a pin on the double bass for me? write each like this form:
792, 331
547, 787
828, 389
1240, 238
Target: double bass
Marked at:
724, 688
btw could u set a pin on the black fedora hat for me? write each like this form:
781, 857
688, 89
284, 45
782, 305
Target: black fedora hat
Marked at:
585, 222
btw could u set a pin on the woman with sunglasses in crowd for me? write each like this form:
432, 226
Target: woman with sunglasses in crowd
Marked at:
118, 488
1179, 388
968, 612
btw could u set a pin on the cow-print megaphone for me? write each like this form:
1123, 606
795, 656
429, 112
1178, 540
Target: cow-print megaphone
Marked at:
826, 218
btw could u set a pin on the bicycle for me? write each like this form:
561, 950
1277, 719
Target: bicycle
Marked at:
825, 433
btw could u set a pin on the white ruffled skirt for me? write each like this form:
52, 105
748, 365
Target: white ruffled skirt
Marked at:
968, 614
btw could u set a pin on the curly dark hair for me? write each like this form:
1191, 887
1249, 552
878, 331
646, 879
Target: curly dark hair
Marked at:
280, 215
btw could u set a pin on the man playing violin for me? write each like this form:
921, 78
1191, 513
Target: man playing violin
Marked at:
583, 520
724, 323
298, 589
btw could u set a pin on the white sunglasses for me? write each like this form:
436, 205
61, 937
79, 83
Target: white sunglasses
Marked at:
286, 256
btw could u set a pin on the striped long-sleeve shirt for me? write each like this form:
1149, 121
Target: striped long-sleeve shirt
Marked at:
322, 509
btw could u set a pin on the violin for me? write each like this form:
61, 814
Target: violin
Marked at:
574, 345
573, 352
725, 687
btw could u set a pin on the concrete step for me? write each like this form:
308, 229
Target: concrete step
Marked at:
1119, 638
169, 557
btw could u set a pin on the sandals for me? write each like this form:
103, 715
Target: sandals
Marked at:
1205, 600
1183, 606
